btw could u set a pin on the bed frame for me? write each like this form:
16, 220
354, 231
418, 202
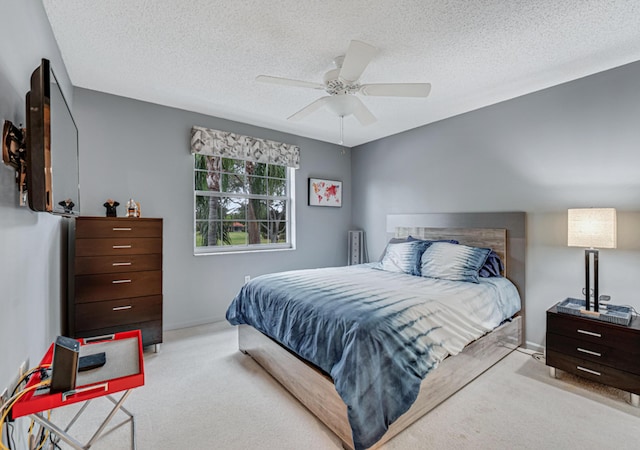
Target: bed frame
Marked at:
314, 389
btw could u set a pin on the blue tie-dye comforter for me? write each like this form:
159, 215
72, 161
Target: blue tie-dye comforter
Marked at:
376, 333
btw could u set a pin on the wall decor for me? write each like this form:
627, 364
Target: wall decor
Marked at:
325, 192
111, 206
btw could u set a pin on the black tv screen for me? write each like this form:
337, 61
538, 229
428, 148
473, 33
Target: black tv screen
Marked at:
52, 147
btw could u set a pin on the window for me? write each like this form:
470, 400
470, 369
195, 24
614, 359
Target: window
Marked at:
242, 202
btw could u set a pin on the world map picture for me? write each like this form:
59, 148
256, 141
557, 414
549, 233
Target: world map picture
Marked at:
325, 192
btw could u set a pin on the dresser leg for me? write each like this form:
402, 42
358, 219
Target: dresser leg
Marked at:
156, 348
552, 372
635, 400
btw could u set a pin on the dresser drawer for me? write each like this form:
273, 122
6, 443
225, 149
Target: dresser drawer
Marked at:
117, 247
594, 352
594, 371
99, 227
90, 316
624, 338
95, 288
86, 265
151, 331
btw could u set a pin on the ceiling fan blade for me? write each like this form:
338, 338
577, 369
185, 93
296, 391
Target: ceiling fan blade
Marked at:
356, 60
396, 89
362, 113
311, 107
289, 82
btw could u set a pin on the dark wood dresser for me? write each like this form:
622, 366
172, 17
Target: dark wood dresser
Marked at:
115, 277
597, 350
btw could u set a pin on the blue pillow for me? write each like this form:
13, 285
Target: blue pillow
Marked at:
403, 257
453, 262
492, 267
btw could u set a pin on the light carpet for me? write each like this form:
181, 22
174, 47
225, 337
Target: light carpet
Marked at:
201, 393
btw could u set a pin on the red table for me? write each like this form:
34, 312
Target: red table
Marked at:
122, 372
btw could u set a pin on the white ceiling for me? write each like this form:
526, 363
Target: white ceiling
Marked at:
203, 56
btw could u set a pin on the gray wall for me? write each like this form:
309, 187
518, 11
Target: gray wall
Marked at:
30, 243
130, 148
573, 145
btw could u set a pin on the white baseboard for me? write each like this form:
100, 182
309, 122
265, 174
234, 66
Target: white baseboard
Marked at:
195, 323
535, 347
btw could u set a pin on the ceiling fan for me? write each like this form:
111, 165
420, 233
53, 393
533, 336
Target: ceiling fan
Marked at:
342, 83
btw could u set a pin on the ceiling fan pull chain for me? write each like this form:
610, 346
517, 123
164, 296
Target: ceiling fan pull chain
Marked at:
341, 130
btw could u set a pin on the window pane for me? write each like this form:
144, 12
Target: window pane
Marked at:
260, 169
201, 234
208, 208
277, 187
277, 209
253, 233
277, 171
278, 232
274, 232
234, 233
208, 233
200, 180
257, 209
232, 183
257, 185
233, 166
234, 208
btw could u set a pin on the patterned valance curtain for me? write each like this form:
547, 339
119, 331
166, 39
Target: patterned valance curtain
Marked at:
206, 141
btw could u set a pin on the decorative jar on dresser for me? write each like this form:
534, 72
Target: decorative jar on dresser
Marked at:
115, 277
597, 350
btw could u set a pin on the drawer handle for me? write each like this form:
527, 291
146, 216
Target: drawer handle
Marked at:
121, 264
120, 281
122, 246
593, 372
588, 352
103, 386
121, 229
121, 308
589, 333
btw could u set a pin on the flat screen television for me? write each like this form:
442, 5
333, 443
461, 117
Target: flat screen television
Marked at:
51, 147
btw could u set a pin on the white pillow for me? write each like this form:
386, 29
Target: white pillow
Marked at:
453, 262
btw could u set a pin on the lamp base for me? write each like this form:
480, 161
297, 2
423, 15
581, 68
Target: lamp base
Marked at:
590, 313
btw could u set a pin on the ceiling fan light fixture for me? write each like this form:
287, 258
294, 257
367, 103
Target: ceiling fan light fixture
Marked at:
343, 83
342, 104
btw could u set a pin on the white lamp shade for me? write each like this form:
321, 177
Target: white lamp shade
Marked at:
592, 227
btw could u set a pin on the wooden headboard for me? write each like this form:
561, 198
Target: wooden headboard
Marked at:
493, 238
464, 227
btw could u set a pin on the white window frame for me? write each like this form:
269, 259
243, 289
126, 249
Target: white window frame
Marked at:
290, 202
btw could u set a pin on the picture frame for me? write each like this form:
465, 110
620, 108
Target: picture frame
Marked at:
323, 192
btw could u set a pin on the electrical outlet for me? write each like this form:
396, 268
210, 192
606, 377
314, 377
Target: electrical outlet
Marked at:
247, 278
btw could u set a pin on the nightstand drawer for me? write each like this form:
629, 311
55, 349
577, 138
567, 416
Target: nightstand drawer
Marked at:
112, 313
99, 227
86, 265
594, 371
118, 247
95, 288
589, 330
594, 352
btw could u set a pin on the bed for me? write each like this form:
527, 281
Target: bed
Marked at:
317, 385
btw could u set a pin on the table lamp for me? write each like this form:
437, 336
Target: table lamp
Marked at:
591, 228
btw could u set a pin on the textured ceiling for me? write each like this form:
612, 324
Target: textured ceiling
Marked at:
203, 56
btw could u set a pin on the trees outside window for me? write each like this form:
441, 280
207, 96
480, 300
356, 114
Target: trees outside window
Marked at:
241, 205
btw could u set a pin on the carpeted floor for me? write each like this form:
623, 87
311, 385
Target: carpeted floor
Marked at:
201, 393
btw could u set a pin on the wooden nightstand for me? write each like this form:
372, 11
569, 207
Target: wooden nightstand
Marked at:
600, 351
